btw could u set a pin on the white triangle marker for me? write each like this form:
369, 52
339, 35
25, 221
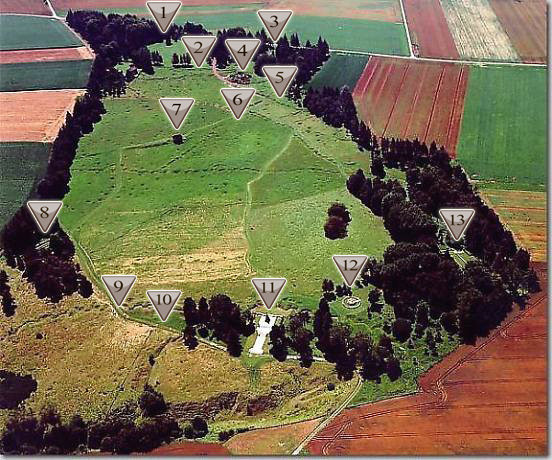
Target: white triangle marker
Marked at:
237, 99
275, 21
176, 109
269, 289
280, 77
44, 213
242, 50
163, 12
118, 286
457, 220
163, 302
199, 47
350, 267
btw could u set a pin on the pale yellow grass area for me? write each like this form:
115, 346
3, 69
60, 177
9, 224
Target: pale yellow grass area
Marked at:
85, 360
477, 31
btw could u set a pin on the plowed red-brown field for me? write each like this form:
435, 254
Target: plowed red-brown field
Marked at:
429, 30
490, 399
34, 115
525, 24
24, 7
191, 448
45, 55
407, 99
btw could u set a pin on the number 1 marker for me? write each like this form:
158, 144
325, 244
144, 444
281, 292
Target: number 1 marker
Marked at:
163, 12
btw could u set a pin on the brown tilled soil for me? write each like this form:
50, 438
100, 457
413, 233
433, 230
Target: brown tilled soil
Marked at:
24, 7
34, 115
45, 55
429, 30
91, 4
407, 99
191, 448
490, 399
525, 24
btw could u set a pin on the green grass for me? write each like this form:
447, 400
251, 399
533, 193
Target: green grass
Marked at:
184, 217
21, 165
504, 129
44, 75
340, 70
18, 32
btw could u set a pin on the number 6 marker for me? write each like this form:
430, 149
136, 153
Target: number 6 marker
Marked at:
350, 267
237, 99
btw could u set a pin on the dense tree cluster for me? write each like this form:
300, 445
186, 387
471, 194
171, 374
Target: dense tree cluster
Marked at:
296, 335
48, 434
181, 60
337, 222
217, 319
8, 303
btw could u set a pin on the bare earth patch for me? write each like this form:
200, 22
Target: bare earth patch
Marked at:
45, 55
34, 115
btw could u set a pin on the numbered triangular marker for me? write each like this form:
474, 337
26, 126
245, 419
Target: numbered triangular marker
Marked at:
280, 77
275, 21
350, 267
163, 302
237, 99
199, 47
163, 13
177, 109
243, 50
269, 289
118, 286
44, 213
457, 220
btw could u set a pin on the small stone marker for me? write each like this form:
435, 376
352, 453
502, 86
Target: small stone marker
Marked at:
243, 50
238, 99
199, 47
275, 21
163, 301
350, 267
457, 220
118, 286
269, 289
163, 13
280, 77
44, 213
176, 109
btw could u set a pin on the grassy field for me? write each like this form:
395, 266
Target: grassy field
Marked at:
21, 164
504, 132
44, 75
340, 70
231, 212
32, 32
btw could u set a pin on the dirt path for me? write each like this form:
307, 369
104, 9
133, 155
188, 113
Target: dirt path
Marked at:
490, 399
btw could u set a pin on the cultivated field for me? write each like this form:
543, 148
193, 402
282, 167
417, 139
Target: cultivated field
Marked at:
43, 119
429, 29
19, 32
24, 7
340, 70
524, 213
45, 75
21, 165
407, 99
477, 31
490, 399
381, 10
231, 214
525, 24
504, 135
45, 55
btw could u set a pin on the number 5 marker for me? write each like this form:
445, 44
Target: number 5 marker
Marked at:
350, 267
269, 289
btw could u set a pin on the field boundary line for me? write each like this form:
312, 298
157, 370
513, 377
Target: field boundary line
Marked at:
435, 97
392, 111
408, 38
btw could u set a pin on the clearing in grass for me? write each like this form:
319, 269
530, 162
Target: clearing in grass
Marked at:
19, 32
503, 134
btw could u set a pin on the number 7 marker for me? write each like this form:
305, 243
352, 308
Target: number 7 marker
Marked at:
350, 267
176, 109
269, 289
